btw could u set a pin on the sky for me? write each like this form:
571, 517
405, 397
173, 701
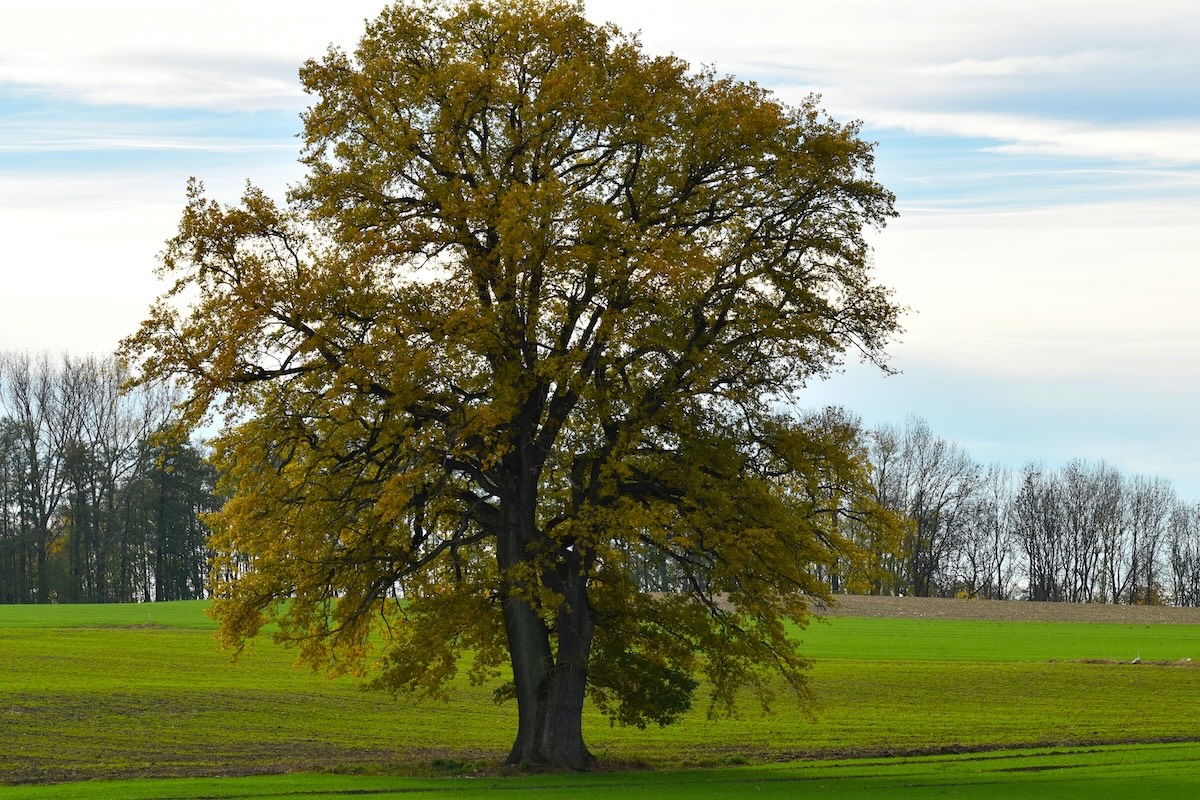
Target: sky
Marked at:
1045, 157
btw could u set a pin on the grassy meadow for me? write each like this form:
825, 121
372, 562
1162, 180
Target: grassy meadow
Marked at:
1162, 772
137, 692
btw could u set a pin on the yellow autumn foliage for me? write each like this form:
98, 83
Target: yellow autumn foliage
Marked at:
512, 370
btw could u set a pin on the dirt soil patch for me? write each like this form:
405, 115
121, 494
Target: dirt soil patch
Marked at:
1007, 610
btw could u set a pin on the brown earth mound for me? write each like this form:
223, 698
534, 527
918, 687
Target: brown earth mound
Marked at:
1005, 610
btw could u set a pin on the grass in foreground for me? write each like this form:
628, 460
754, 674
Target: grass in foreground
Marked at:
1164, 772
81, 699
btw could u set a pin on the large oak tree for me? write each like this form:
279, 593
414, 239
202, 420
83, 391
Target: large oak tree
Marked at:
534, 316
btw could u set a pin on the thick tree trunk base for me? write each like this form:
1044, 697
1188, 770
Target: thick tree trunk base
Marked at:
577, 758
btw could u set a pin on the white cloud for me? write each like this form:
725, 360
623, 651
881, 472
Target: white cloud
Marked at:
136, 140
1163, 143
80, 255
1101, 294
1088, 80
80, 251
218, 54
1036, 65
1175, 142
881, 35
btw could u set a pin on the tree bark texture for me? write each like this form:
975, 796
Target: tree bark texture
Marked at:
549, 682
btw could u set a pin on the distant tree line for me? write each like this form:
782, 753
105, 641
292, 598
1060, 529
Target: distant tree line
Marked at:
95, 506
1082, 532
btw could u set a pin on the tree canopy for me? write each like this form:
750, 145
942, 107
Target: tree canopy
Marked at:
536, 315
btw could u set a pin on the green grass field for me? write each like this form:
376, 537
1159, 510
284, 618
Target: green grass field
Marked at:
119, 693
1162, 772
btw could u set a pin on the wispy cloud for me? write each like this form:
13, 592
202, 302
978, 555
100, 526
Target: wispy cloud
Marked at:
1165, 143
1147, 142
117, 141
1035, 65
1094, 291
220, 54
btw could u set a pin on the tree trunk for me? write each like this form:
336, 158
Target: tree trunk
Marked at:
550, 691
549, 687
43, 579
